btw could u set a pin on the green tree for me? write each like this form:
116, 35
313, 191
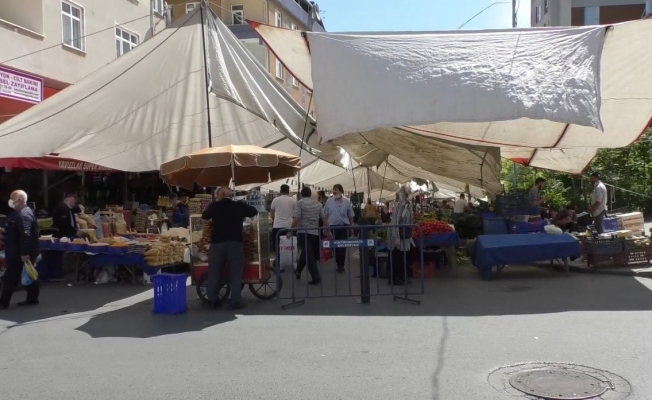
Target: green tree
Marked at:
628, 169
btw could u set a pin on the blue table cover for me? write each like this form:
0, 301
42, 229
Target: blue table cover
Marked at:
433, 240
495, 250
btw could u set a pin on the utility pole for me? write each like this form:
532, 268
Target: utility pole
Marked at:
514, 171
151, 16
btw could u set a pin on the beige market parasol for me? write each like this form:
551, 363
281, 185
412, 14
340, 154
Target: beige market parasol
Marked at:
216, 166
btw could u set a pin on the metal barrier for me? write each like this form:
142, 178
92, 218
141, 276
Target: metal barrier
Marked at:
343, 244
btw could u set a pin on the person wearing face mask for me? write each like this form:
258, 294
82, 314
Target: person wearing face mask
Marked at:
21, 245
338, 212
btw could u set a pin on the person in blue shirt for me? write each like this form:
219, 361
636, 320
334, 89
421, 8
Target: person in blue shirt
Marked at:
181, 213
338, 213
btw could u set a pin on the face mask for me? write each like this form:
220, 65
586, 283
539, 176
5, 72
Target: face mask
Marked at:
11, 203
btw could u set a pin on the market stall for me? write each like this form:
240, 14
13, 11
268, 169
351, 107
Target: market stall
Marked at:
131, 252
438, 236
507, 249
220, 166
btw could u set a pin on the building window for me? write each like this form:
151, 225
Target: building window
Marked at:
546, 5
159, 6
278, 19
591, 15
287, 82
537, 17
303, 98
191, 6
124, 41
279, 69
237, 12
72, 24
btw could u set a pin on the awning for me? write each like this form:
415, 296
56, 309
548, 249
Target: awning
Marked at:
554, 77
52, 163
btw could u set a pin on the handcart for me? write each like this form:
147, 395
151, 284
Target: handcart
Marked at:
259, 272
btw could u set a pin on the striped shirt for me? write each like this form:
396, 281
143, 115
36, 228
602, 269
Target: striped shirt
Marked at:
308, 212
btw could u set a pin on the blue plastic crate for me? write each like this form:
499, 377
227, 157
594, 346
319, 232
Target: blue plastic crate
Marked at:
529, 227
169, 294
514, 211
610, 224
495, 226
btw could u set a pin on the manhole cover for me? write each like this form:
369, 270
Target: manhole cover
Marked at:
562, 384
547, 380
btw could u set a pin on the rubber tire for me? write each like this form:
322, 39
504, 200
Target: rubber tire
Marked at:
252, 286
202, 291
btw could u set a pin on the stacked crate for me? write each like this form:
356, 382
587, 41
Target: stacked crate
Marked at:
632, 222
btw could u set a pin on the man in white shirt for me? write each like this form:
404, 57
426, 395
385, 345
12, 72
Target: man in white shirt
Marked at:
460, 205
598, 207
282, 209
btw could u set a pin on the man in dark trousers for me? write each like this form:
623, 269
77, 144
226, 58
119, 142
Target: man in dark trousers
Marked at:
227, 247
21, 245
306, 216
65, 220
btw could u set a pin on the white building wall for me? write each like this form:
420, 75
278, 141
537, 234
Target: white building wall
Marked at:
28, 28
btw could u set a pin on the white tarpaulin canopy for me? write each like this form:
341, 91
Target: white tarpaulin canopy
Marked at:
534, 93
149, 107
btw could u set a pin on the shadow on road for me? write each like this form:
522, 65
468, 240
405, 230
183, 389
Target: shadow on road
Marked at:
522, 291
59, 299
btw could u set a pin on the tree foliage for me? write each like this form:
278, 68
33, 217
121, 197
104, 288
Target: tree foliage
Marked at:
628, 168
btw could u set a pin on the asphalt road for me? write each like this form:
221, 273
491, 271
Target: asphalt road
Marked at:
102, 342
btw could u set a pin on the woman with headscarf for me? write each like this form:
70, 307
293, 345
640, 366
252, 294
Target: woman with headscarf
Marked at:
399, 240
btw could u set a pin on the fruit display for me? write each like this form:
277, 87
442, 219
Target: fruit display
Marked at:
431, 227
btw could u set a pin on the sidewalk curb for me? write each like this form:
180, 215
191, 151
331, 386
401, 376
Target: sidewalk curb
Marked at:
614, 272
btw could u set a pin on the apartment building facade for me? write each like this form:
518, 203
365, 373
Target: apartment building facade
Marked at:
47, 45
587, 12
290, 14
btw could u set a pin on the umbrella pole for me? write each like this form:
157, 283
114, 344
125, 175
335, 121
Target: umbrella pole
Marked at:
382, 185
203, 41
233, 171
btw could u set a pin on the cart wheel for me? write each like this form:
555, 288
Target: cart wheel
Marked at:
202, 289
266, 290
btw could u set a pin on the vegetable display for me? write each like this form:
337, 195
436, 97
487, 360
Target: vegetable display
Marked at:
432, 227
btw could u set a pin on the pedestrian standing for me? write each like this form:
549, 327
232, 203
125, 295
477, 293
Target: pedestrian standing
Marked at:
598, 207
338, 213
227, 246
399, 240
21, 246
307, 214
282, 209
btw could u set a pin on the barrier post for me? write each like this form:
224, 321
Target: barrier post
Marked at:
294, 301
405, 296
365, 282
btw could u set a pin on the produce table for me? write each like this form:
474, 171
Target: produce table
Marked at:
448, 241
131, 261
501, 250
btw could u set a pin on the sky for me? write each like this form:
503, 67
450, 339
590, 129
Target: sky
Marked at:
418, 15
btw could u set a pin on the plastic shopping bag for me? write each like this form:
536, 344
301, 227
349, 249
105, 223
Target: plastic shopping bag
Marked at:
289, 253
29, 274
31, 271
